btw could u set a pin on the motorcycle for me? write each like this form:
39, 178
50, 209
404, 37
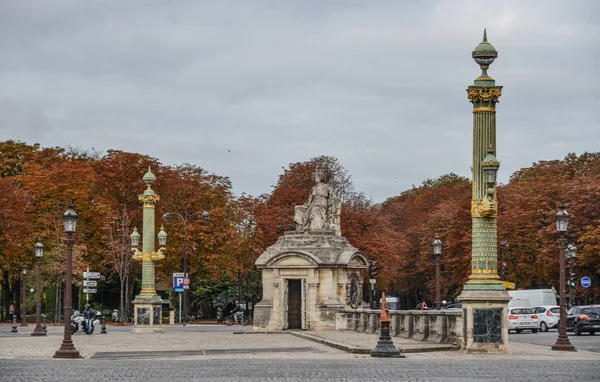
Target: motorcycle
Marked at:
76, 322
81, 323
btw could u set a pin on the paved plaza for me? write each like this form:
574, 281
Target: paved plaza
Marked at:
200, 352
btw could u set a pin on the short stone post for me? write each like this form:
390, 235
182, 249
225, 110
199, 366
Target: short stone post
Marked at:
103, 327
14, 324
44, 325
385, 347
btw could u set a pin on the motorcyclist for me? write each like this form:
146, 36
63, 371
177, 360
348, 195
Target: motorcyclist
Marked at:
237, 312
89, 314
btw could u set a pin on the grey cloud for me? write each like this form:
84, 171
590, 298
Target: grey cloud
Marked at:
244, 88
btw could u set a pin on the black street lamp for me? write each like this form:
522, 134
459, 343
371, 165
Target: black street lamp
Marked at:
67, 349
185, 218
437, 252
23, 311
562, 224
38, 331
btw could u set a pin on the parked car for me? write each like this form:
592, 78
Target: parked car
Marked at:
522, 318
546, 317
584, 318
453, 305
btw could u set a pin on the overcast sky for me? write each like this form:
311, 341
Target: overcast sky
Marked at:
243, 88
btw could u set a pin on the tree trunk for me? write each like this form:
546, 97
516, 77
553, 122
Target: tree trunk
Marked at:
121, 301
240, 283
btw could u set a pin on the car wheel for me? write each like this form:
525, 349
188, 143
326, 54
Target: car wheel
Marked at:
543, 327
518, 330
534, 330
576, 330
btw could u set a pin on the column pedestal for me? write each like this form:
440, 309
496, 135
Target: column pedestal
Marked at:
147, 316
485, 321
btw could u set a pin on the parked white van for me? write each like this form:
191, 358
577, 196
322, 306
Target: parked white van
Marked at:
536, 297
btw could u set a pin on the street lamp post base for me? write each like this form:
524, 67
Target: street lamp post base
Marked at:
67, 350
563, 344
38, 332
385, 347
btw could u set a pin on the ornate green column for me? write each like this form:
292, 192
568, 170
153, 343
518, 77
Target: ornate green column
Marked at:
148, 305
484, 296
484, 95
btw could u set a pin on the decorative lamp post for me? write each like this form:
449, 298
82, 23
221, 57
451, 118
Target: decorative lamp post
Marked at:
185, 219
484, 297
38, 331
437, 252
148, 305
67, 349
23, 310
562, 224
571, 255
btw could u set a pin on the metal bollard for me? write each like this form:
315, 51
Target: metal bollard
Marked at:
44, 326
103, 327
14, 325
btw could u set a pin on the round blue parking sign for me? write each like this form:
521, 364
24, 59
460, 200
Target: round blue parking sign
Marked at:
586, 282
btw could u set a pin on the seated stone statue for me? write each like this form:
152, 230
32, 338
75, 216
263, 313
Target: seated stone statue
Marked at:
322, 209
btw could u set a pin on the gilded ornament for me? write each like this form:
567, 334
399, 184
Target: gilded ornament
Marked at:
148, 199
486, 209
484, 109
491, 163
477, 94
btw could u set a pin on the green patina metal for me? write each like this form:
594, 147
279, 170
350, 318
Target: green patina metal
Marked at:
484, 95
148, 256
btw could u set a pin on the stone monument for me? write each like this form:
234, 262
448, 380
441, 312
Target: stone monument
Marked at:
312, 272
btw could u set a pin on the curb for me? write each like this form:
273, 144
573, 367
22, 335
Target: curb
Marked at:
420, 348
333, 344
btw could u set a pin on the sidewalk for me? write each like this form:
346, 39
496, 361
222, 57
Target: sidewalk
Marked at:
362, 343
201, 341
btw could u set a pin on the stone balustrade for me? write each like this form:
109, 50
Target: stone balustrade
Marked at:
441, 326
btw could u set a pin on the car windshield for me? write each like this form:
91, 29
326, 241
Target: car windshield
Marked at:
521, 311
591, 310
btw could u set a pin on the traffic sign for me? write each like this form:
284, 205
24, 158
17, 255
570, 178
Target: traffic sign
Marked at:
186, 283
90, 290
586, 281
91, 275
90, 283
178, 281
373, 281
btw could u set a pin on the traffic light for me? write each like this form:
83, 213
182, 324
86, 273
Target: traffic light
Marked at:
504, 272
572, 281
373, 268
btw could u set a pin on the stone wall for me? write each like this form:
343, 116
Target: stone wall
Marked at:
441, 326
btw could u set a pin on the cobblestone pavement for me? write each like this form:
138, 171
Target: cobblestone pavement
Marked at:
226, 356
359, 368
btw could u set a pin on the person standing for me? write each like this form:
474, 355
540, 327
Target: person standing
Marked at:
11, 310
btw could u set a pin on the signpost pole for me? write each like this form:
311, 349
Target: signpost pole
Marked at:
179, 308
87, 295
